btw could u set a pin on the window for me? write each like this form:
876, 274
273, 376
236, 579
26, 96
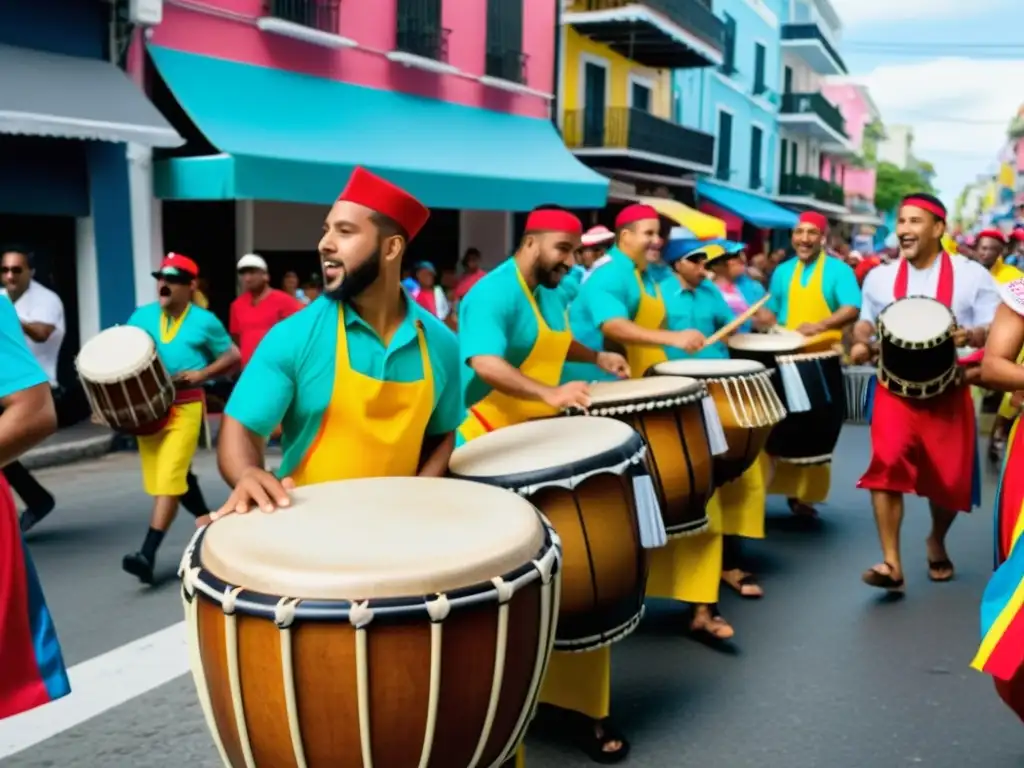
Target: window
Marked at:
787, 80
759, 59
723, 166
505, 58
783, 157
756, 140
794, 158
639, 95
729, 55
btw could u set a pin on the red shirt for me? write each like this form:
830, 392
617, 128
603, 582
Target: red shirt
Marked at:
251, 320
468, 281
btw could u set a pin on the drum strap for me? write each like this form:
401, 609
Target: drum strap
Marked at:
483, 422
944, 291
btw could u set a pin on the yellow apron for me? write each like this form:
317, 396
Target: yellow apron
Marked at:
543, 364
689, 568
371, 428
740, 504
806, 304
1004, 273
650, 314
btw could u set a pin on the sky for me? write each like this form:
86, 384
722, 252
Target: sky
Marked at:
952, 69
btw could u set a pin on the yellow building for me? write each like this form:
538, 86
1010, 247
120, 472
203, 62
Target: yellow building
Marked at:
616, 105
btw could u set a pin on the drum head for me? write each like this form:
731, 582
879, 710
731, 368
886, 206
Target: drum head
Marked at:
916, 319
115, 354
607, 396
546, 451
782, 342
709, 369
376, 538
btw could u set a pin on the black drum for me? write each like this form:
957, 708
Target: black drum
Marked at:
917, 356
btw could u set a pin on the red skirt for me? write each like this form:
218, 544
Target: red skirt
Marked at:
924, 447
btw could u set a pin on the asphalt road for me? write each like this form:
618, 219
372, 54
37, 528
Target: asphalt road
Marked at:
822, 674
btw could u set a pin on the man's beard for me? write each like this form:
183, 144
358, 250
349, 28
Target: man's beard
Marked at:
355, 282
550, 278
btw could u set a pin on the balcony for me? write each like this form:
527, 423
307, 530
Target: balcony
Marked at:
662, 34
811, 114
822, 190
506, 65
311, 21
810, 43
627, 139
420, 40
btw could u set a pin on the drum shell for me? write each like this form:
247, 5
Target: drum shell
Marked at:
604, 566
135, 404
918, 368
399, 681
745, 443
813, 435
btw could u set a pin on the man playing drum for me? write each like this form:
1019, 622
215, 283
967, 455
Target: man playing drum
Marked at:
925, 447
194, 347
514, 341
817, 296
364, 381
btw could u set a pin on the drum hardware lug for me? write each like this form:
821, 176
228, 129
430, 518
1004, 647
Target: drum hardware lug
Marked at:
284, 612
505, 590
230, 599
360, 615
438, 608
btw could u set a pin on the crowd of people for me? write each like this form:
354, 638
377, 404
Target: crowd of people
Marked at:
386, 374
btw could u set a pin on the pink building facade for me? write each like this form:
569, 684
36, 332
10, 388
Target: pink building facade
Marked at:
858, 109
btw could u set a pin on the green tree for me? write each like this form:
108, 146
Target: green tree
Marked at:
873, 133
893, 183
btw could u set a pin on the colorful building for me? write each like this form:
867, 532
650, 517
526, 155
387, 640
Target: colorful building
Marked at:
74, 134
281, 99
859, 111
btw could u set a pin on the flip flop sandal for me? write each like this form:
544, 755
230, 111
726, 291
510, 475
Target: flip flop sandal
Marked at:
941, 565
707, 631
594, 745
874, 578
748, 580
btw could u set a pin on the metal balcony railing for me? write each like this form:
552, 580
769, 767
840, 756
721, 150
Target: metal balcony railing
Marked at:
625, 128
693, 15
812, 32
420, 31
799, 185
508, 65
814, 104
315, 14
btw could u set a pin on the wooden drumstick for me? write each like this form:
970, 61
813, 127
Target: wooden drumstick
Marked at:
732, 327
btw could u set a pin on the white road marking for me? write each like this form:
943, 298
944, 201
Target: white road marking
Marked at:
99, 684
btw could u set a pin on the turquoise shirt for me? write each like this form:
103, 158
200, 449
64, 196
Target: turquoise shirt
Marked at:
610, 293
20, 369
496, 319
201, 337
290, 378
838, 283
700, 309
569, 288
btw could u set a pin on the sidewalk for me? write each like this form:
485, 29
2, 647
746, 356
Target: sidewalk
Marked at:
82, 441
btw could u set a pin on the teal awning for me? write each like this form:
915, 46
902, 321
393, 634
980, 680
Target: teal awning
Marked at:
750, 207
295, 138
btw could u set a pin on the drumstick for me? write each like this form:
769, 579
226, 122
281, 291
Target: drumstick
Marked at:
735, 324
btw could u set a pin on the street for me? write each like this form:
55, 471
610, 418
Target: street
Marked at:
823, 673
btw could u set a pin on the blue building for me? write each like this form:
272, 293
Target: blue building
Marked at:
75, 141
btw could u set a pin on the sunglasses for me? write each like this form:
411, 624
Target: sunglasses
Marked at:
12, 270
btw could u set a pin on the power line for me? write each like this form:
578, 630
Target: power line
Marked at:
929, 45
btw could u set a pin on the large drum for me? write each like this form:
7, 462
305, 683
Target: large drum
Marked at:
578, 472
668, 411
917, 355
387, 622
811, 385
126, 384
748, 407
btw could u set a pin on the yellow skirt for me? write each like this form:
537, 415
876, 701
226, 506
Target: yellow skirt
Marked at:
1006, 410
580, 682
520, 757
809, 483
689, 569
740, 504
166, 456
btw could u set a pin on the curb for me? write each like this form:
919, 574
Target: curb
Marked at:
68, 452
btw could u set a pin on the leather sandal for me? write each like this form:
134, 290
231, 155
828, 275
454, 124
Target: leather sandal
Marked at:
875, 578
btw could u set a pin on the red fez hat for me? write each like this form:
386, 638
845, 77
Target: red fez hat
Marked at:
176, 265
928, 203
1017, 234
634, 213
995, 234
814, 219
370, 190
554, 220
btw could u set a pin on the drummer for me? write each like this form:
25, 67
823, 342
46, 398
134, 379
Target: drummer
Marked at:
195, 347
924, 447
364, 381
513, 344
817, 296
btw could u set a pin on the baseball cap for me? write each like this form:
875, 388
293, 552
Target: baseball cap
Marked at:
252, 261
176, 265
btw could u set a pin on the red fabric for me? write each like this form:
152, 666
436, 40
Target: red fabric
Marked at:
554, 220
1012, 692
21, 685
634, 213
995, 234
865, 266
468, 281
370, 190
252, 320
944, 290
814, 219
926, 205
426, 298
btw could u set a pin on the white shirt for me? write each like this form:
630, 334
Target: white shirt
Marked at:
975, 293
38, 304
599, 262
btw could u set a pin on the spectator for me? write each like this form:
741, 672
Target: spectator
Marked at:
471, 273
290, 285
430, 295
259, 308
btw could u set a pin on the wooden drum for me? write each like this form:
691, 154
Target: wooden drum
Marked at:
379, 622
747, 403
578, 472
125, 381
668, 412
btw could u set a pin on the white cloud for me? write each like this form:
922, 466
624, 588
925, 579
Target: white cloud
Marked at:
959, 109
863, 12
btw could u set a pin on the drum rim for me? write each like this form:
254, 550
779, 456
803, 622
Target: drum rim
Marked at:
886, 335
121, 375
789, 350
283, 609
653, 371
617, 460
611, 408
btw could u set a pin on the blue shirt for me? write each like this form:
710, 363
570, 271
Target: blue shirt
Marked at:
200, 339
290, 378
19, 370
700, 309
495, 318
838, 284
569, 288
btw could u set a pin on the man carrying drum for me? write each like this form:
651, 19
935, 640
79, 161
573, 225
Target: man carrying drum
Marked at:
925, 447
818, 296
514, 341
364, 381
194, 347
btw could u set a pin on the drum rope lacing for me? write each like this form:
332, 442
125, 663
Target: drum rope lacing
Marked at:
669, 401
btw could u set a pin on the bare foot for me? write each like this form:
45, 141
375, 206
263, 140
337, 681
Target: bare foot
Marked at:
800, 509
705, 622
940, 568
744, 583
884, 576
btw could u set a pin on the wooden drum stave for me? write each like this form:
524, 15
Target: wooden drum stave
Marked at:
393, 621
917, 356
578, 472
